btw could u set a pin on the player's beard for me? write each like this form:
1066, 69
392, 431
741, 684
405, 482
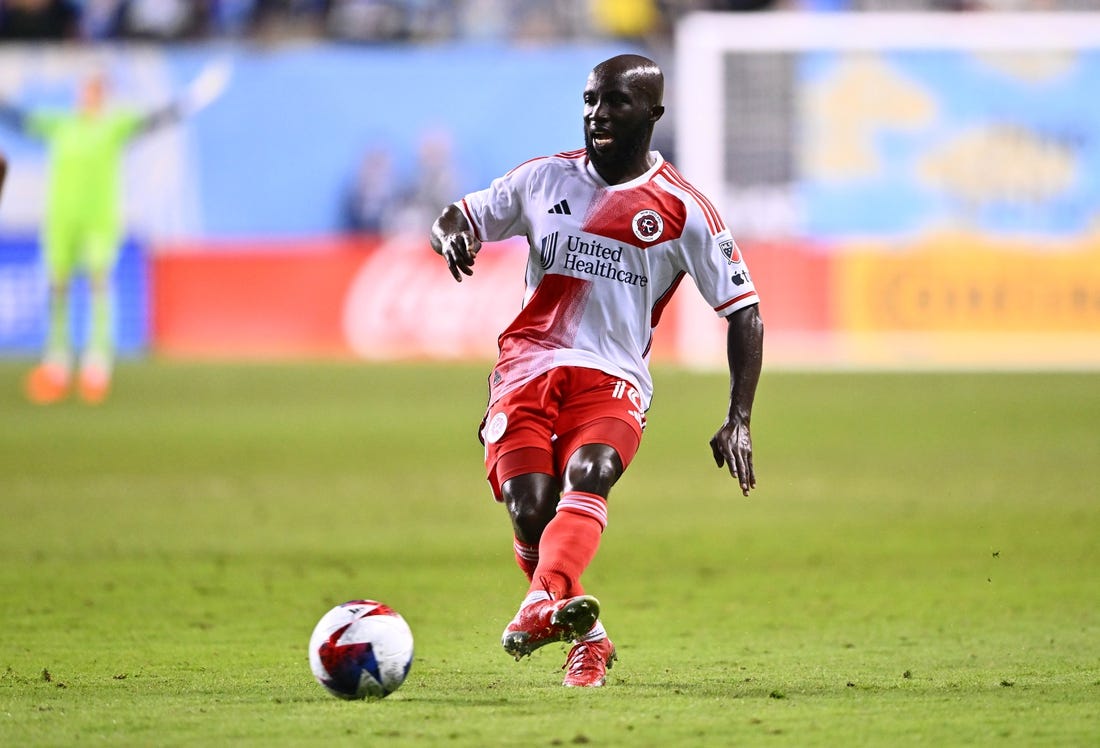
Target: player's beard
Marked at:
630, 143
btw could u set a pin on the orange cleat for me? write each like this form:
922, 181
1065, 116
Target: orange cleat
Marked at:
588, 664
548, 621
95, 384
46, 384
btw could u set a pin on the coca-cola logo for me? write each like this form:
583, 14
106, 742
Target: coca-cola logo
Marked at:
402, 302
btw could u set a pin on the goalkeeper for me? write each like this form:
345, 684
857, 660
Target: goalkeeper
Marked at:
82, 228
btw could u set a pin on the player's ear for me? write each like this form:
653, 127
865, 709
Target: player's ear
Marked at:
656, 111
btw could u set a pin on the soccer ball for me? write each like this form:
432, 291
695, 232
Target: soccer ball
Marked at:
361, 649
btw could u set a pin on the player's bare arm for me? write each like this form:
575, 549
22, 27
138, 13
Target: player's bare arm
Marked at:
3, 172
453, 239
202, 91
732, 444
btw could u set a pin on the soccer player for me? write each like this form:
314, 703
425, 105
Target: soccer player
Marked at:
613, 229
82, 229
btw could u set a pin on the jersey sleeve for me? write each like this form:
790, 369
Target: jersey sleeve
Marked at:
496, 213
125, 125
718, 267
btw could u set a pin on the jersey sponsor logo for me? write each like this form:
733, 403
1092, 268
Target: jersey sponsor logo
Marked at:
740, 278
548, 250
495, 428
730, 250
648, 225
593, 257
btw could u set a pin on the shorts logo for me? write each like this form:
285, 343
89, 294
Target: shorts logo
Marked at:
622, 389
496, 427
730, 250
648, 225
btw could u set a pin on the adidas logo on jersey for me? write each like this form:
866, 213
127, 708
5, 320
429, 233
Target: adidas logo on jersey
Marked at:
561, 208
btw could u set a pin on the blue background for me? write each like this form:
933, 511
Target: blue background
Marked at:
24, 293
276, 154
967, 94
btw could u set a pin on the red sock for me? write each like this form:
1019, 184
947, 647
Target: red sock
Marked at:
569, 544
527, 557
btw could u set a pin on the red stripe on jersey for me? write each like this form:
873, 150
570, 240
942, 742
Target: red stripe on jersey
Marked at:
528, 161
470, 219
550, 320
612, 215
574, 155
659, 308
662, 302
734, 300
714, 219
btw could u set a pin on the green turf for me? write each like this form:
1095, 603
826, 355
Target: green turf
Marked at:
920, 564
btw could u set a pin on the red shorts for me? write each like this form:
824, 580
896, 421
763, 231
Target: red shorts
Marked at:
537, 427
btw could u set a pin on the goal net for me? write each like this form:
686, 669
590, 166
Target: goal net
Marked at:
913, 189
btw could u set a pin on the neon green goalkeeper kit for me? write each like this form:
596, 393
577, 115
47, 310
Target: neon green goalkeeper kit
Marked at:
83, 225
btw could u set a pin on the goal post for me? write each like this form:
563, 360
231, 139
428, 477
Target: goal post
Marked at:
883, 169
706, 42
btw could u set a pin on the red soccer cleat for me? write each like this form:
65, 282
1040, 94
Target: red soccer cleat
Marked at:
548, 621
588, 664
47, 384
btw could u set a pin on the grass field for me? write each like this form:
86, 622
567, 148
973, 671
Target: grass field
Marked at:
919, 565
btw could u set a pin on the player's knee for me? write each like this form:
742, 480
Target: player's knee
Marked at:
593, 468
531, 505
529, 520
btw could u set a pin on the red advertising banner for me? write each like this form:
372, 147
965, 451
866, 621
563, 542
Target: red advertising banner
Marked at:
396, 300
253, 300
403, 303
795, 282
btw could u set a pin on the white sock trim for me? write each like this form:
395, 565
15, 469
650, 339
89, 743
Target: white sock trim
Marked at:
587, 504
535, 596
596, 633
526, 552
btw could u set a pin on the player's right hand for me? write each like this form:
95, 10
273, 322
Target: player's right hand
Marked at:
208, 86
460, 250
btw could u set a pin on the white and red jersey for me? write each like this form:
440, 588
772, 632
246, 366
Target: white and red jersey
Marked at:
604, 262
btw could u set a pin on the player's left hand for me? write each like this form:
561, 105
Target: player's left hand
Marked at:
732, 446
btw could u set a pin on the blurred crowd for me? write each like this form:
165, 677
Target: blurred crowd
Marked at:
414, 20
382, 201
